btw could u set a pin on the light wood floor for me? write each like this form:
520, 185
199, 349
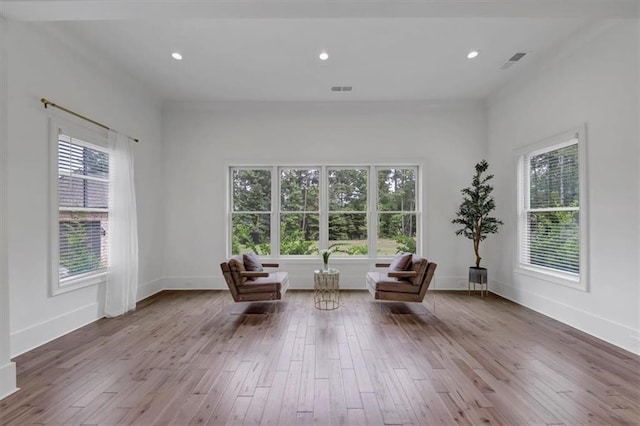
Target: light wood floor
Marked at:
196, 357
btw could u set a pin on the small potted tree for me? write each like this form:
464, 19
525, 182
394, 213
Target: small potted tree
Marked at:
474, 217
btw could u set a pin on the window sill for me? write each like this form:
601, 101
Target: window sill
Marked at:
75, 283
567, 280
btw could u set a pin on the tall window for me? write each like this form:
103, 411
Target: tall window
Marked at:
552, 237
299, 210
348, 210
82, 219
251, 210
397, 210
324, 207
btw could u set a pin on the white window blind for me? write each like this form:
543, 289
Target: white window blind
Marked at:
550, 210
83, 204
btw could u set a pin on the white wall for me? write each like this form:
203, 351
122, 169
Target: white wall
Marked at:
597, 84
202, 140
7, 368
43, 63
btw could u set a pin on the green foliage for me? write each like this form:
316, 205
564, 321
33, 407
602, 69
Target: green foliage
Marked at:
251, 232
554, 240
294, 243
347, 226
251, 190
356, 250
251, 228
347, 190
474, 212
300, 205
406, 244
77, 258
553, 178
299, 190
396, 190
396, 195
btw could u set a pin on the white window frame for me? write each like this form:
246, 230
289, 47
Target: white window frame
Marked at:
95, 140
325, 212
276, 198
230, 204
373, 206
372, 199
577, 281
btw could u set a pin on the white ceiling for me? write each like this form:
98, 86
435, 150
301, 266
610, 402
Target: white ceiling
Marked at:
268, 50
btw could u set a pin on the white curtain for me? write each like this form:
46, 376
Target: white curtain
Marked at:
122, 279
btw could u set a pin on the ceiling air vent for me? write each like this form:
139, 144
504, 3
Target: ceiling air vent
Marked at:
515, 58
341, 88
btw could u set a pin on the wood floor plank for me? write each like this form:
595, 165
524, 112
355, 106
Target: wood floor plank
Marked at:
238, 411
111, 416
210, 402
321, 402
372, 410
257, 406
391, 413
307, 391
230, 396
271, 414
350, 386
337, 398
196, 357
364, 378
356, 417
289, 403
438, 412
97, 404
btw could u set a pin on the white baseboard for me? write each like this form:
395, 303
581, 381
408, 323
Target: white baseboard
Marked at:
149, 289
8, 379
347, 282
612, 332
448, 283
38, 334
192, 283
33, 336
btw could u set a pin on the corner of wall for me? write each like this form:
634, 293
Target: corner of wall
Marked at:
149, 289
8, 379
7, 368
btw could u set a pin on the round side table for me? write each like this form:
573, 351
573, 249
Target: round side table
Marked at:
326, 286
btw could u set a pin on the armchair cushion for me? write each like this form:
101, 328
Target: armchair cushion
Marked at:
236, 265
402, 262
275, 282
252, 263
419, 266
379, 281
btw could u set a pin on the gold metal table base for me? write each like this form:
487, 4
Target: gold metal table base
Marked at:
326, 286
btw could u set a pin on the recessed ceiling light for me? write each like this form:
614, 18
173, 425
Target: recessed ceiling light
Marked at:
473, 54
323, 56
176, 56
